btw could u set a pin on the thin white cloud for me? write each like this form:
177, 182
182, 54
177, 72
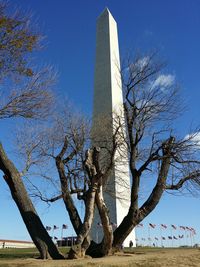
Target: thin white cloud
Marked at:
142, 62
164, 81
139, 64
194, 138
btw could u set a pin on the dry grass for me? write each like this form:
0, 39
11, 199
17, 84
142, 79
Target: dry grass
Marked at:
142, 257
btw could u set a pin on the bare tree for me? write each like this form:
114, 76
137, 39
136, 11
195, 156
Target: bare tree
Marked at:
18, 39
82, 172
24, 88
24, 93
32, 99
29, 215
151, 103
61, 143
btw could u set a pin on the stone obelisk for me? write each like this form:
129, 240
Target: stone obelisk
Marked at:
108, 100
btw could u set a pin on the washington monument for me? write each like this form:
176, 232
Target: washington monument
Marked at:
108, 100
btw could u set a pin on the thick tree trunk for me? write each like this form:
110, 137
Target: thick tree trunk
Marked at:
67, 198
105, 247
92, 167
89, 215
38, 233
124, 229
71, 209
80, 248
135, 215
106, 243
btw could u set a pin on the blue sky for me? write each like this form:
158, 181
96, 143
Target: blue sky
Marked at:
171, 26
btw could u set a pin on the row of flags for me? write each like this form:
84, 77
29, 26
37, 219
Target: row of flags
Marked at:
49, 228
164, 226
55, 227
168, 235
162, 238
191, 230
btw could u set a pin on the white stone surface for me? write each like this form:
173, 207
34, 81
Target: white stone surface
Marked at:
108, 101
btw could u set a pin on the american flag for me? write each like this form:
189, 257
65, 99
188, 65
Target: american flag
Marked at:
193, 231
64, 226
164, 225
173, 226
55, 227
152, 225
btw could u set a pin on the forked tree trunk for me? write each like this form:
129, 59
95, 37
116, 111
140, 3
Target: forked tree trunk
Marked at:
66, 196
80, 248
69, 203
105, 247
38, 233
106, 244
135, 216
92, 167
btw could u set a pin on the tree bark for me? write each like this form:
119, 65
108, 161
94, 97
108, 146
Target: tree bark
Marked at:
80, 248
67, 199
135, 215
71, 208
91, 165
105, 247
37, 231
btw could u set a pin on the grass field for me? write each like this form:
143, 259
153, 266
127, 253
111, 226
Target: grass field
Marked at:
23, 253
136, 257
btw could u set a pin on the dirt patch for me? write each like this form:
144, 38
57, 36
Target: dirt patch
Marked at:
152, 258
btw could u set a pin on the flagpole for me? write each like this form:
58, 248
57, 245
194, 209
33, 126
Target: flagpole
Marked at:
161, 236
194, 238
172, 237
185, 237
191, 238
142, 236
149, 235
180, 238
